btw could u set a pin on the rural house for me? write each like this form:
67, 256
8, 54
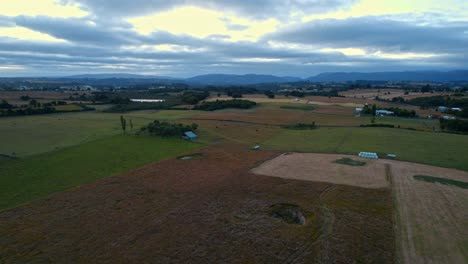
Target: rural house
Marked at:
189, 135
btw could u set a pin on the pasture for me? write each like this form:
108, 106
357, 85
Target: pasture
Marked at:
29, 135
438, 149
33, 177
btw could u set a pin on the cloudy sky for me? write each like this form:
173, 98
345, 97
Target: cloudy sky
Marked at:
183, 38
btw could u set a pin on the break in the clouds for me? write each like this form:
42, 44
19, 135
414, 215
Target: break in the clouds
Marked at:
185, 38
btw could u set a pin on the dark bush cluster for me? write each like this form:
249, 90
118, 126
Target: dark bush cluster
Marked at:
222, 104
456, 125
165, 129
301, 126
194, 97
378, 125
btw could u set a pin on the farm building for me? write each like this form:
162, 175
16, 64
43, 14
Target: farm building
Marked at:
368, 155
442, 108
456, 109
189, 135
383, 112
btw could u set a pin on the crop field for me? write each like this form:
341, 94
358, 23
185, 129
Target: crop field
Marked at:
33, 177
28, 135
440, 149
210, 209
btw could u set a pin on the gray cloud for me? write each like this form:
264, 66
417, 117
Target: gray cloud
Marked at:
259, 9
382, 34
96, 44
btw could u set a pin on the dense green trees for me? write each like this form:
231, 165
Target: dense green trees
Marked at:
166, 129
457, 125
194, 97
222, 104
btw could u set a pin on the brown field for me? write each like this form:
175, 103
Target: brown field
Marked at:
206, 210
321, 168
382, 93
13, 97
431, 219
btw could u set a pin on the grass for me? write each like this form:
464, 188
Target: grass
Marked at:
350, 162
298, 107
30, 178
444, 181
439, 149
30, 135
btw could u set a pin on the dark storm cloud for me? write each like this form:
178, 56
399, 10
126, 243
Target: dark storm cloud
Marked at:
259, 9
374, 33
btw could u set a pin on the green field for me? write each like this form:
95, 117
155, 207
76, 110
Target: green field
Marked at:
439, 149
29, 135
33, 177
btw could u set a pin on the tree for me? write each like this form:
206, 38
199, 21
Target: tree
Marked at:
374, 109
131, 125
123, 123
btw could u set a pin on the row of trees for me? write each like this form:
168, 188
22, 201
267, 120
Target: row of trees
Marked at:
222, 104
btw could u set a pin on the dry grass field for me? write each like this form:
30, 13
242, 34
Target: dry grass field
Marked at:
387, 93
322, 168
432, 218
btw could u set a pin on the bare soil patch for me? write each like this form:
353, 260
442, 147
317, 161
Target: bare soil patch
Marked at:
323, 168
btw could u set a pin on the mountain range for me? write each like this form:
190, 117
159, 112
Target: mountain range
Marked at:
252, 79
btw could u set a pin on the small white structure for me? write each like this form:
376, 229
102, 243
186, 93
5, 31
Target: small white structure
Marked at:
448, 117
442, 108
368, 155
147, 100
296, 100
456, 109
383, 112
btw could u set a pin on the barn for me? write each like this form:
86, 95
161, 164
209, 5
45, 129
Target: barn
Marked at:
189, 135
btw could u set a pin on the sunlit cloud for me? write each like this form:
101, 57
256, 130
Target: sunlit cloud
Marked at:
202, 23
52, 8
26, 34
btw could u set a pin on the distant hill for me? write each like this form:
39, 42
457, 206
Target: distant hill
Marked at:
231, 79
433, 76
117, 76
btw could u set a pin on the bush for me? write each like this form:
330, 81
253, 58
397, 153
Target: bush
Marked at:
193, 97
301, 126
378, 125
222, 104
166, 129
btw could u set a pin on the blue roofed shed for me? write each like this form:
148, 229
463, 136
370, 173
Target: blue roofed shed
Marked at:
189, 135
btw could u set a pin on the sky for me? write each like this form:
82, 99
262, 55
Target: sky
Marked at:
184, 38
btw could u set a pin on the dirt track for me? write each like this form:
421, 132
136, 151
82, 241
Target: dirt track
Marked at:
206, 210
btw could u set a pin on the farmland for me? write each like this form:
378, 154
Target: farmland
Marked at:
37, 176
445, 150
28, 135
64, 175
